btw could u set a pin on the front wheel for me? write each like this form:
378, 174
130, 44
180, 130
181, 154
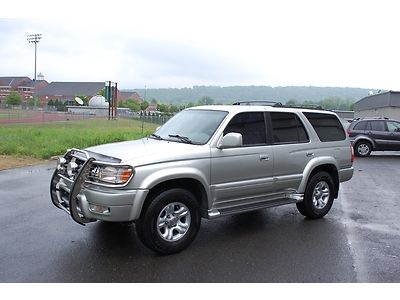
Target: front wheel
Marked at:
318, 197
171, 221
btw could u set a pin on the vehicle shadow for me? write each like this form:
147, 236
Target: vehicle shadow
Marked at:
273, 245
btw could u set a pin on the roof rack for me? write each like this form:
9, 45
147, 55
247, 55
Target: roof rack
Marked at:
277, 104
258, 102
309, 106
370, 118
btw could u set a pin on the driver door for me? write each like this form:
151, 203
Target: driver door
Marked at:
243, 175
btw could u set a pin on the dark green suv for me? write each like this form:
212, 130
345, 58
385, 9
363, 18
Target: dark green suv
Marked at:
374, 134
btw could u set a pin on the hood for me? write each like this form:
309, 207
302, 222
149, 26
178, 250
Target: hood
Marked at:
148, 151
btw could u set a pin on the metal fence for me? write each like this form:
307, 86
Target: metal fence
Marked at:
19, 114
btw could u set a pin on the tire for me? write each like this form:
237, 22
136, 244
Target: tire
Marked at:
170, 222
318, 197
362, 149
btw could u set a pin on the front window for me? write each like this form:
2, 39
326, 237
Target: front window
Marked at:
192, 126
251, 125
393, 126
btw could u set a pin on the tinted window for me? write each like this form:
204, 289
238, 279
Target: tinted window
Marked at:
252, 127
376, 126
287, 128
327, 127
360, 125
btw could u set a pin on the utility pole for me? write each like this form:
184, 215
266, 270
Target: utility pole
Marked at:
34, 38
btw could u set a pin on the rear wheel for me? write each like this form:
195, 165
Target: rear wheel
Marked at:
363, 149
171, 221
318, 197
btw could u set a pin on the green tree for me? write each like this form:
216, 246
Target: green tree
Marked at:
173, 109
206, 100
33, 102
292, 102
14, 98
131, 104
164, 108
144, 105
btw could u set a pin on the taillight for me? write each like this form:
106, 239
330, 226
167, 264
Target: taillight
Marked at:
352, 154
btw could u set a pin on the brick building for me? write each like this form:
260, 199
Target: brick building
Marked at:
21, 84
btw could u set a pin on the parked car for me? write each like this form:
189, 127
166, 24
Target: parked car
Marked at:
207, 162
374, 134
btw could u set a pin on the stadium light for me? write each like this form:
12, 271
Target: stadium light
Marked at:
34, 38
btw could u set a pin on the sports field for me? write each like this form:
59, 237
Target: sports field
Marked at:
43, 140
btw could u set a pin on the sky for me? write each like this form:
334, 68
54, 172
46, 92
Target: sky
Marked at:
175, 43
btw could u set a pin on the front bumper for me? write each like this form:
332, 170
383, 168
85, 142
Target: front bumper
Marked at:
86, 202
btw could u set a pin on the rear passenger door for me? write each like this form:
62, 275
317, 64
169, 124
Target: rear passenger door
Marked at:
291, 150
376, 129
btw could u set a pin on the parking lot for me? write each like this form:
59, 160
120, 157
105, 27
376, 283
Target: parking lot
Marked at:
358, 241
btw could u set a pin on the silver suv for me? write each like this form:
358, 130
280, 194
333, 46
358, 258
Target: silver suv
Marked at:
207, 162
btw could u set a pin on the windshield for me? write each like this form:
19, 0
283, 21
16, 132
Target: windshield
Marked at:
191, 126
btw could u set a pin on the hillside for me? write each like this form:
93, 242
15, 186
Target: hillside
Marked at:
235, 93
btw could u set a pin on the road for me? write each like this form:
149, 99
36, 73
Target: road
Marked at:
358, 241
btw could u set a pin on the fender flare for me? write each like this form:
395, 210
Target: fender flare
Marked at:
314, 164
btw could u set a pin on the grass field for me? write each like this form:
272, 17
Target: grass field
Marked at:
43, 141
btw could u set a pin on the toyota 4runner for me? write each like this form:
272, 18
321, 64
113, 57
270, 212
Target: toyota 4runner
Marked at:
207, 162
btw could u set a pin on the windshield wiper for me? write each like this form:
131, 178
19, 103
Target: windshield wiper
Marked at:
184, 139
156, 136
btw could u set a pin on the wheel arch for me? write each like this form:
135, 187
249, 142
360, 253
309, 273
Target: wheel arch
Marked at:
190, 184
362, 138
327, 166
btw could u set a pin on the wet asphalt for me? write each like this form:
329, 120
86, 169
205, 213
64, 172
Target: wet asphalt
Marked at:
358, 241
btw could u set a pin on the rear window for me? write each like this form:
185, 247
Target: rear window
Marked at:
327, 127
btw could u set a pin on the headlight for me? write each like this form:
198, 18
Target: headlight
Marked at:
111, 174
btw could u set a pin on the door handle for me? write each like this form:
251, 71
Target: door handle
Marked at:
264, 157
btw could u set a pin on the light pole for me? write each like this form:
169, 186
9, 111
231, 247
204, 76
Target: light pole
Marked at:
34, 38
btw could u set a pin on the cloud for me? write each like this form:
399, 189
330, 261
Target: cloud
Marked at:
180, 43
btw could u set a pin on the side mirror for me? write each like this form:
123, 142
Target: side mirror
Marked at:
230, 140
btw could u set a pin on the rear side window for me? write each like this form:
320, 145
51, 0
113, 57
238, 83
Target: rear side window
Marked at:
360, 125
327, 127
251, 125
376, 126
287, 128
